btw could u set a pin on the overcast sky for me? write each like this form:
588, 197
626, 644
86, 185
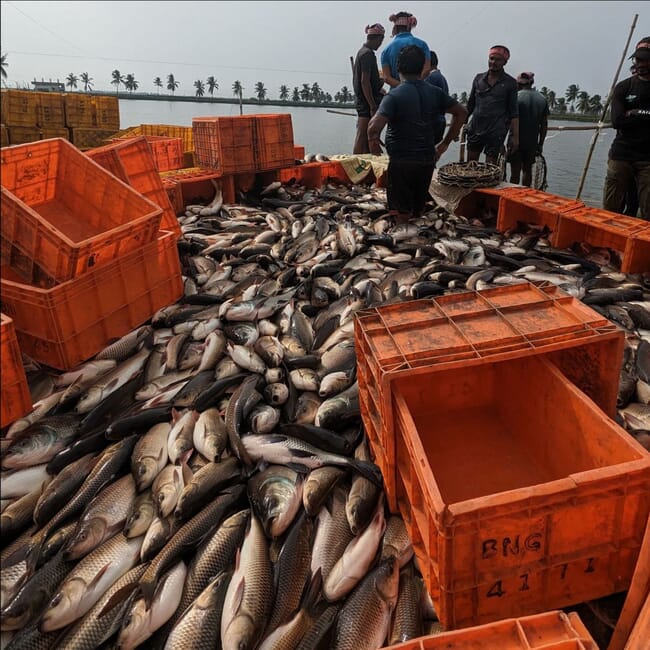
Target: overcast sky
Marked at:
304, 42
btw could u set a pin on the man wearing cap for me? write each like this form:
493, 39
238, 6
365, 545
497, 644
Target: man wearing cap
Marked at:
629, 155
367, 85
493, 109
533, 124
403, 23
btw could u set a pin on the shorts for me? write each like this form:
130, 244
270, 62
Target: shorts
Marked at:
525, 158
492, 145
407, 186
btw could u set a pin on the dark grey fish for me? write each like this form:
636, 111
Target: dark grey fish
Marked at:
193, 388
407, 620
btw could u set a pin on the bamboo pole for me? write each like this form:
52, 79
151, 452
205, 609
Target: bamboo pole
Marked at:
605, 107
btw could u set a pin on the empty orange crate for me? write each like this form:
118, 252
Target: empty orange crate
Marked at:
24, 134
15, 399
533, 206
71, 322
310, 174
167, 152
131, 160
483, 203
80, 110
174, 194
197, 184
225, 143
465, 330
548, 631
273, 141
65, 214
601, 228
50, 110
18, 108
107, 109
298, 151
518, 493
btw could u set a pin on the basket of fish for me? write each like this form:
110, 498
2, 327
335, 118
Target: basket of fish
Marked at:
471, 174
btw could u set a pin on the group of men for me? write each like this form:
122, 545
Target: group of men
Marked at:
504, 115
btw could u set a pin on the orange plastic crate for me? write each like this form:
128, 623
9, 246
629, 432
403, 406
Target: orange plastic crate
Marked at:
483, 203
533, 206
64, 213
638, 639
273, 139
465, 330
548, 631
197, 184
310, 174
518, 493
80, 110
298, 151
131, 160
171, 131
333, 171
107, 110
50, 110
638, 256
601, 228
167, 152
225, 143
49, 132
24, 134
174, 195
18, 108
71, 322
15, 399
88, 137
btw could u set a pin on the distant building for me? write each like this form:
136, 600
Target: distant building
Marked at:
49, 86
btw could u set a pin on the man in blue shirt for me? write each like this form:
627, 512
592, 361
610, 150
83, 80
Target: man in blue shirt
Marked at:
437, 79
411, 111
403, 22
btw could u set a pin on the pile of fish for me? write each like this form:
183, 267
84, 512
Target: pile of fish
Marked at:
205, 481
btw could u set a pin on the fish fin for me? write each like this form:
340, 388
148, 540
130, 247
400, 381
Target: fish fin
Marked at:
147, 589
176, 415
369, 471
98, 577
299, 467
117, 598
311, 593
239, 594
186, 470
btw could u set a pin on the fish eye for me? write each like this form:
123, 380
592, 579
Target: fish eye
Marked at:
56, 600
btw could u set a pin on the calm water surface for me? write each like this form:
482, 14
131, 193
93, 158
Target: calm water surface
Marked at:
330, 133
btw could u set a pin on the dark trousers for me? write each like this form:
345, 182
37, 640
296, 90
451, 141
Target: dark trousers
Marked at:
407, 188
621, 177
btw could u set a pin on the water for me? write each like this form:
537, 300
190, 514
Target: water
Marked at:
330, 133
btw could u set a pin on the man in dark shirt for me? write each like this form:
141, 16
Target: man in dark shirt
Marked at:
411, 110
436, 78
367, 84
629, 155
493, 109
533, 125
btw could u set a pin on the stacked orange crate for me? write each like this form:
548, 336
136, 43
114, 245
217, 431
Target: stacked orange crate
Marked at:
511, 481
64, 214
167, 152
131, 161
197, 185
15, 399
107, 111
273, 141
72, 321
226, 144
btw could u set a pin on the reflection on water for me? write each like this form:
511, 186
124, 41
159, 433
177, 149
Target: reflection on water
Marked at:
320, 131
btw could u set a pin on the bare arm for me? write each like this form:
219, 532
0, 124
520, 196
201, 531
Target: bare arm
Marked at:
388, 77
458, 116
375, 127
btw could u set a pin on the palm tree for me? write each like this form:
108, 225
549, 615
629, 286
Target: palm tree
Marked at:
571, 93
117, 80
71, 80
238, 90
583, 102
87, 81
551, 99
315, 91
172, 84
200, 88
543, 91
560, 106
284, 93
595, 104
345, 95
130, 83
260, 91
212, 85
295, 96
305, 93
3, 68
158, 83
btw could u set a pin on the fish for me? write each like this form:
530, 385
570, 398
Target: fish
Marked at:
140, 515
124, 347
209, 435
407, 622
18, 483
150, 455
363, 495
167, 487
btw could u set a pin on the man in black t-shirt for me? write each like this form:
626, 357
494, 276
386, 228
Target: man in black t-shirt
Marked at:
629, 155
367, 84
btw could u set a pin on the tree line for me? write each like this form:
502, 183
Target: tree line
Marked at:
574, 100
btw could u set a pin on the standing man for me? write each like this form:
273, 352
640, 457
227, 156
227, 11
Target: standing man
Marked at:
436, 78
411, 111
493, 109
629, 155
403, 23
367, 85
533, 124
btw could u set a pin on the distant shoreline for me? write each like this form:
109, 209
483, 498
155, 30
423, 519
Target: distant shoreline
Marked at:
251, 101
